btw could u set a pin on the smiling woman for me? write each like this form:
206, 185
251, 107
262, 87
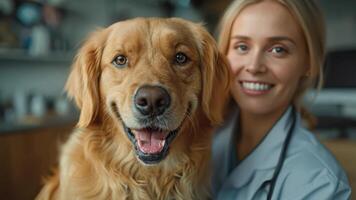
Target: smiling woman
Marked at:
276, 50
268, 60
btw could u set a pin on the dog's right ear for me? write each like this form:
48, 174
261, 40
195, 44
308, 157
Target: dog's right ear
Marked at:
83, 81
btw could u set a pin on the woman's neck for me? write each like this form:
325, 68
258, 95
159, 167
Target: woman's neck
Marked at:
253, 128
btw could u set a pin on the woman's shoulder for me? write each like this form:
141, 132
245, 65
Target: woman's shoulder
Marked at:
307, 148
310, 168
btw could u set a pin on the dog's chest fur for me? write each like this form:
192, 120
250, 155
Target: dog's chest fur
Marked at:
98, 176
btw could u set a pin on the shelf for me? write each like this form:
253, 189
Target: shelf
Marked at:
20, 55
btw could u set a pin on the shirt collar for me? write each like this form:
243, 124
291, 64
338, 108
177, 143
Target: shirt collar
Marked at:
265, 156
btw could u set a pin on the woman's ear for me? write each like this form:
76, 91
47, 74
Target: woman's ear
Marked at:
216, 78
83, 81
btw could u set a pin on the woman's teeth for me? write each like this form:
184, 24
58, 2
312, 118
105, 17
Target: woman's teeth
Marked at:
256, 86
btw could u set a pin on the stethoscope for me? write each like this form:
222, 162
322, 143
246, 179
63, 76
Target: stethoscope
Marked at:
282, 156
272, 181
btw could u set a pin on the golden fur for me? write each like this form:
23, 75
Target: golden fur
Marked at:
98, 161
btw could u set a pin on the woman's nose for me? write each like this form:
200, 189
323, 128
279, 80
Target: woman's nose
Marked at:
256, 63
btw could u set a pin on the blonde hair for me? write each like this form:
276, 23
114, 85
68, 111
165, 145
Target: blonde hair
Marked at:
309, 16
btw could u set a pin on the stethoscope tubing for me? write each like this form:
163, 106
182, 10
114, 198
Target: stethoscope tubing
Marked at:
282, 155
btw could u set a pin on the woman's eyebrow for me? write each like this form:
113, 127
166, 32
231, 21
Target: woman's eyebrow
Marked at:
240, 37
273, 39
282, 38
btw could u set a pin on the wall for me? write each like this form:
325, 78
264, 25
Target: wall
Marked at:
33, 77
341, 23
46, 75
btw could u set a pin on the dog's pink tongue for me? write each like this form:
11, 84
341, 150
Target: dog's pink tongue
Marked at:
150, 142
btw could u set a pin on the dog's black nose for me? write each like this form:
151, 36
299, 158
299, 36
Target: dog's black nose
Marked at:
152, 100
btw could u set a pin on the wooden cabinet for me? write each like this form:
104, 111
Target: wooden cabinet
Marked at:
345, 151
26, 158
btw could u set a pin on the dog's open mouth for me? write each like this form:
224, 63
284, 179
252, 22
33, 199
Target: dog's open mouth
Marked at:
151, 143
150, 140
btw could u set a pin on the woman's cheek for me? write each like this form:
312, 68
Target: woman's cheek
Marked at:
234, 63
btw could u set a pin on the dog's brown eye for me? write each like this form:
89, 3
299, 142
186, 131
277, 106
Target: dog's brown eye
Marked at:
120, 61
181, 58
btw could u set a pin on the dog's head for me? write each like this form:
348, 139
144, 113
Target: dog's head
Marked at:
152, 77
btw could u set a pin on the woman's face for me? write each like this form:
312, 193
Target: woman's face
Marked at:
268, 57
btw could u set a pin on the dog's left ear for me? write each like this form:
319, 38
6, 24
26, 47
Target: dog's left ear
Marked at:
216, 77
83, 81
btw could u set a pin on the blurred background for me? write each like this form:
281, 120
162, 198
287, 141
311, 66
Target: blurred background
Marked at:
38, 39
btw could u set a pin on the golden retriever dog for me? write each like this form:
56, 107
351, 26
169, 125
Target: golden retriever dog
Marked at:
150, 91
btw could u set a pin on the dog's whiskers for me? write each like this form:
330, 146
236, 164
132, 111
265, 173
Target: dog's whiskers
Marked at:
157, 124
165, 126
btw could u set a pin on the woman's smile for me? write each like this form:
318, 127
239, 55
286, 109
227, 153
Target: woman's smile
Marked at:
255, 87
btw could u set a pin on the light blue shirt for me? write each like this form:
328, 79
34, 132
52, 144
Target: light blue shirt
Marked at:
309, 170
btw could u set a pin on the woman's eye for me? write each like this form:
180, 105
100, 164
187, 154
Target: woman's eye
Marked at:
181, 58
242, 48
120, 61
278, 50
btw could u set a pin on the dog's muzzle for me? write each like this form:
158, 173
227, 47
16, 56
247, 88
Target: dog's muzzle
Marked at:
152, 141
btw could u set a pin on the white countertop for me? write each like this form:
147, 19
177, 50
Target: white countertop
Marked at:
343, 99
